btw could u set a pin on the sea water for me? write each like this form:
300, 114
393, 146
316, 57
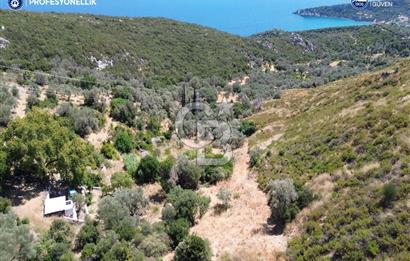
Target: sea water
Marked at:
241, 17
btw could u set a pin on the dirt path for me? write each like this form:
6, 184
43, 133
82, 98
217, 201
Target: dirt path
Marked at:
20, 109
242, 230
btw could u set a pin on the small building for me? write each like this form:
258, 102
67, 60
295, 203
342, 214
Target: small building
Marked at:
60, 205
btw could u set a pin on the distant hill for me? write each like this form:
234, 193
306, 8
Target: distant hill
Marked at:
163, 53
313, 58
349, 142
147, 47
346, 43
398, 13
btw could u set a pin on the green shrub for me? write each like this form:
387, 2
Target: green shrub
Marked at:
148, 170
84, 120
60, 232
153, 125
109, 151
5, 205
282, 197
166, 167
123, 140
131, 162
32, 101
143, 140
123, 251
122, 92
88, 252
121, 180
88, 81
255, 156
68, 256
389, 194
305, 196
188, 174
105, 243
91, 180
120, 205
168, 134
225, 196
58, 250
168, 213
187, 204
178, 230
126, 228
155, 245
123, 111
193, 248
213, 174
248, 127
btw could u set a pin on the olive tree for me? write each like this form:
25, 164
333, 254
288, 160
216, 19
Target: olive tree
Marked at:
282, 200
193, 248
188, 174
16, 240
187, 203
123, 203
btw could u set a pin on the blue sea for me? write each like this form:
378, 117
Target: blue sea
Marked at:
241, 17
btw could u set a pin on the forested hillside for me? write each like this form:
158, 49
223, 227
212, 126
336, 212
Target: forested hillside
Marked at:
349, 143
161, 49
161, 52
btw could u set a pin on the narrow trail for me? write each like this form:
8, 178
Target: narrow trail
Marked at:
20, 109
242, 230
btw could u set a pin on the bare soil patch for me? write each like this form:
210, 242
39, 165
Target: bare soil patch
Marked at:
98, 138
33, 210
113, 167
156, 197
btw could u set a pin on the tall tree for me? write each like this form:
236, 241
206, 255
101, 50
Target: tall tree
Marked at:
40, 145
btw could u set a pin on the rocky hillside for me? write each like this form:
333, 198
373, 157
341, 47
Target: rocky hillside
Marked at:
357, 44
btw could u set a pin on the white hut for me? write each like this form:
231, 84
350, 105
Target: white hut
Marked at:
59, 205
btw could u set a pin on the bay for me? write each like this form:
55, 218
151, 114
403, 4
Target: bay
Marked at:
241, 17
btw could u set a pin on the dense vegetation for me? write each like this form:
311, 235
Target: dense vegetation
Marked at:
161, 50
313, 58
40, 146
389, 14
355, 130
14, 232
153, 67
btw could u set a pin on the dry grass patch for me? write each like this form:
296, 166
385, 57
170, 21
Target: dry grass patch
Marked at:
244, 224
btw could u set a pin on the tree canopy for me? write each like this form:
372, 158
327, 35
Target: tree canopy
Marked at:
16, 240
41, 145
